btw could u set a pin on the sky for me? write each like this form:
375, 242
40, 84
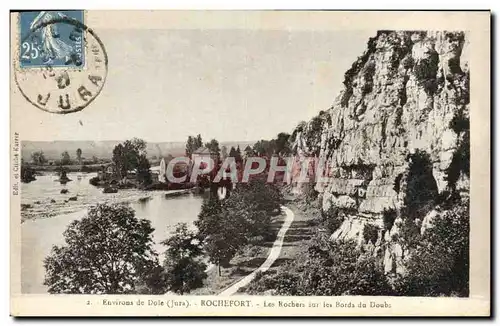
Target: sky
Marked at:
235, 84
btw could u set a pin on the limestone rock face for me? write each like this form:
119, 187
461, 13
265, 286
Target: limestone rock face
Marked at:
397, 135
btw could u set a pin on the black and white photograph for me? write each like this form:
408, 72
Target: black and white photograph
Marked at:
226, 165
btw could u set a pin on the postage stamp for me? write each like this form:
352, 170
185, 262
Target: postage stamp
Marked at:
52, 70
47, 43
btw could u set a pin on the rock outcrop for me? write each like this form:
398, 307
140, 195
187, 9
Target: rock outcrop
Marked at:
396, 138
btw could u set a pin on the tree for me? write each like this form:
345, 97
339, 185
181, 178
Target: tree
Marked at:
109, 251
129, 155
38, 158
249, 151
222, 234
143, 170
232, 152
189, 146
282, 144
65, 158
264, 147
238, 157
192, 144
183, 266
79, 155
27, 173
255, 203
213, 146
227, 226
95, 160
120, 160
198, 142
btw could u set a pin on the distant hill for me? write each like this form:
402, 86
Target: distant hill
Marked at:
104, 149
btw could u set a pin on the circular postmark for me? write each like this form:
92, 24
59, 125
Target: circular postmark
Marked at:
61, 82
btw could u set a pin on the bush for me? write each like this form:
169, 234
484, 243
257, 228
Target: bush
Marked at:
333, 218
421, 188
338, 269
94, 181
310, 192
426, 71
283, 282
389, 216
439, 264
368, 72
370, 233
341, 269
27, 174
408, 62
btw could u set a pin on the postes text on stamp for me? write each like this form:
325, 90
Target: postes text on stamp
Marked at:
63, 65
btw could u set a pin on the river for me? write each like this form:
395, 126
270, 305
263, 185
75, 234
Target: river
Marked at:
45, 221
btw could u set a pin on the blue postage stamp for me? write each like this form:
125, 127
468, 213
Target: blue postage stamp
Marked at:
52, 38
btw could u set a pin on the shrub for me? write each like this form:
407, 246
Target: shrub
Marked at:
426, 71
341, 269
389, 216
94, 181
356, 67
408, 62
338, 269
439, 264
283, 282
368, 72
370, 233
310, 193
333, 218
421, 188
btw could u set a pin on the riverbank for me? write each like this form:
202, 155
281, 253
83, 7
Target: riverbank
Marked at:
40, 169
47, 198
40, 234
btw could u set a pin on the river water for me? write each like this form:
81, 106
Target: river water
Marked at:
45, 221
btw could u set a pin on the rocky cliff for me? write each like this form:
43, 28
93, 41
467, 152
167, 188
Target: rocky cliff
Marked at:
396, 140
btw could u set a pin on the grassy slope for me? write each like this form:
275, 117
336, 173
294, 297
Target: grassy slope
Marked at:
251, 257
297, 239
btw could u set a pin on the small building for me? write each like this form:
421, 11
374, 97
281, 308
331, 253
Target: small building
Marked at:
155, 176
110, 169
203, 154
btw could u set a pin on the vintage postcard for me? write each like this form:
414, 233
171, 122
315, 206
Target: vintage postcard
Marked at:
250, 163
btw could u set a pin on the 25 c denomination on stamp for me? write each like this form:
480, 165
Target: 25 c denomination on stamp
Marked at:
62, 64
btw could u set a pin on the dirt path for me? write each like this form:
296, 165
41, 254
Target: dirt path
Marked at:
274, 253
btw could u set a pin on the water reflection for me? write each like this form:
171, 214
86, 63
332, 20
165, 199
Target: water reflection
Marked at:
40, 234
